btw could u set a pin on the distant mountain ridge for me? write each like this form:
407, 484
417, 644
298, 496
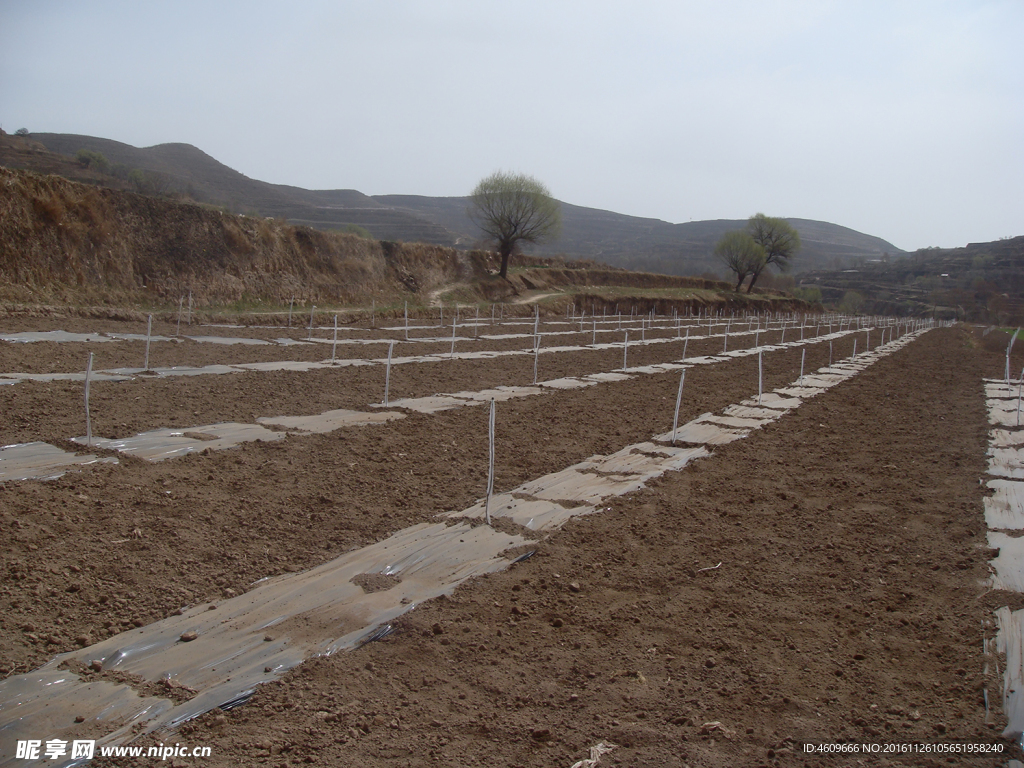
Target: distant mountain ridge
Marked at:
631, 242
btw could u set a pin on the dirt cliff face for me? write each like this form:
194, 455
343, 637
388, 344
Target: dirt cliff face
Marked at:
69, 242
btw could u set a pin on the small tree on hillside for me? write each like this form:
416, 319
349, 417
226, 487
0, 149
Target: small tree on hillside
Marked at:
851, 303
779, 240
513, 208
738, 251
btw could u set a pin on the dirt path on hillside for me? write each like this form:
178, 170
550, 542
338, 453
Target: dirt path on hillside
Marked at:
849, 602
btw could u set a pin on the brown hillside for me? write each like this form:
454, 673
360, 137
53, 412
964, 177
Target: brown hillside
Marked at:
63, 242
631, 242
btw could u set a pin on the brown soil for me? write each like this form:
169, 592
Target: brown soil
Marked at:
850, 603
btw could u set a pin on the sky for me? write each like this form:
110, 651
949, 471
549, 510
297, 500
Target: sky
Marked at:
903, 120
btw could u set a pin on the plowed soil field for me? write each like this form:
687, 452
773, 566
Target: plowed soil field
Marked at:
822, 581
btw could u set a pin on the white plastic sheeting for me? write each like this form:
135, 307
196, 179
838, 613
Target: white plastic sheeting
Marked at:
700, 431
1006, 462
1008, 566
329, 420
161, 444
40, 461
535, 514
1004, 438
1009, 642
1004, 511
1004, 413
28, 337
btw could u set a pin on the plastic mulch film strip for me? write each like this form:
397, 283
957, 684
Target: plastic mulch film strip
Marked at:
1004, 516
1004, 509
41, 461
1009, 642
161, 444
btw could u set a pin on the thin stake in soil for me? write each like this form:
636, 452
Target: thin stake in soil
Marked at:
453, 340
1009, 349
803, 356
334, 347
760, 376
625, 349
1020, 386
149, 334
536, 353
679, 399
490, 464
387, 372
407, 321
88, 420
180, 300
311, 311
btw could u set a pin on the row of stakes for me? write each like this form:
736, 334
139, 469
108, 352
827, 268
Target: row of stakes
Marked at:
536, 351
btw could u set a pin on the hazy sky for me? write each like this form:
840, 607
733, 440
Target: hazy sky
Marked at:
900, 119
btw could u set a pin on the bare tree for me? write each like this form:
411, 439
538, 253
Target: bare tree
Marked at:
513, 208
738, 251
779, 240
